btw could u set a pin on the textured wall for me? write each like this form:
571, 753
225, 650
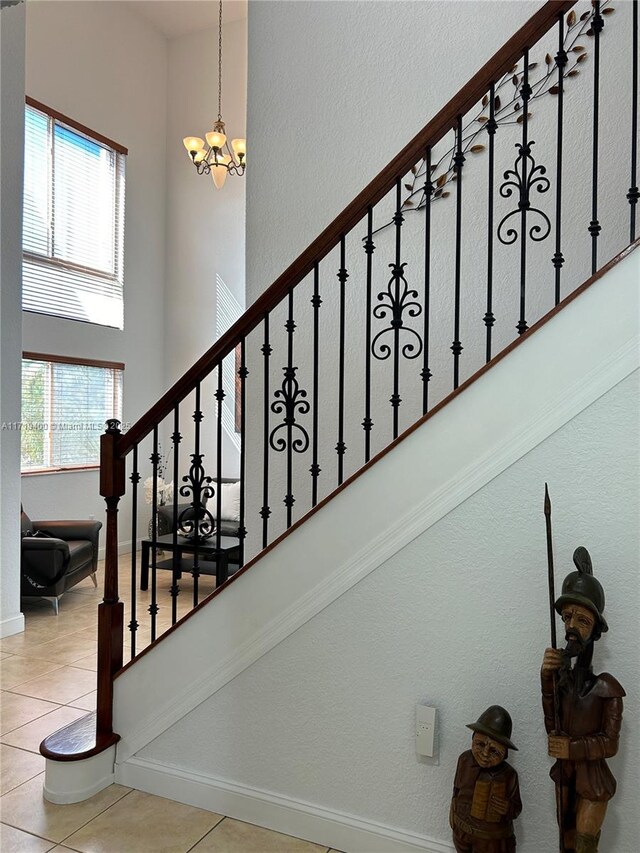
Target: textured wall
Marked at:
458, 618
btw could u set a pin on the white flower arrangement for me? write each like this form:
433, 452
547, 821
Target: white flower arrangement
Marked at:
165, 491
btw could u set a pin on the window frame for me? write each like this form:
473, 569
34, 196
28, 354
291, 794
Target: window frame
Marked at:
83, 362
49, 260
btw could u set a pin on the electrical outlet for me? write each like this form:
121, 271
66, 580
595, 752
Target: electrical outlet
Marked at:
425, 730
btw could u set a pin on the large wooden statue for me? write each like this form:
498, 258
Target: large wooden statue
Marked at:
486, 796
582, 711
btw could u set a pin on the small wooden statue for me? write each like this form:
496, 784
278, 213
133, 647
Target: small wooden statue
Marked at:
486, 796
582, 712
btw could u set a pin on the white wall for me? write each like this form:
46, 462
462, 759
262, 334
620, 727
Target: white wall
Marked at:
457, 619
205, 226
105, 67
11, 148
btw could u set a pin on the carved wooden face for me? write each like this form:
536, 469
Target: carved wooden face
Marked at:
487, 751
578, 620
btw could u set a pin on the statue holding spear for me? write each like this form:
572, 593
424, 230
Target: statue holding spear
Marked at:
582, 711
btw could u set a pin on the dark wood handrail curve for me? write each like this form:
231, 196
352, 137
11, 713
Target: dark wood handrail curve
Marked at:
472, 92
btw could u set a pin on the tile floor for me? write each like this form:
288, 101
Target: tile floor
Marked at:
47, 680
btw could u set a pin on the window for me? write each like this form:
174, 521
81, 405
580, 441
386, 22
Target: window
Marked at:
73, 226
65, 404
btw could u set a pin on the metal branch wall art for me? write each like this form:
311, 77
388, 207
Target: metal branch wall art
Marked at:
507, 107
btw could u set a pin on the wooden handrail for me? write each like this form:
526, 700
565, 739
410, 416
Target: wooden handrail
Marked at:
472, 92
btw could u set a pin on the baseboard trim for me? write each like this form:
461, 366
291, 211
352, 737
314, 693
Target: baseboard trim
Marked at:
11, 626
273, 811
124, 547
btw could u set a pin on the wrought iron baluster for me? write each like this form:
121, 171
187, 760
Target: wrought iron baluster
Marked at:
525, 94
153, 607
634, 193
243, 373
135, 479
220, 395
343, 275
175, 559
597, 25
367, 423
316, 302
458, 163
197, 496
290, 327
398, 219
265, 512
491, 126
561, 61
426, 374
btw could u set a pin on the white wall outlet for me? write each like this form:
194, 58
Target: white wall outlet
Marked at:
425, 730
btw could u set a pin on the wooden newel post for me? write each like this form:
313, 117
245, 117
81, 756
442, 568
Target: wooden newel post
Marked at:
111, 611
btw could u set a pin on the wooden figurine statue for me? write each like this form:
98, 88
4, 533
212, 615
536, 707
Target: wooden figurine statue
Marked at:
582, 711
486, 796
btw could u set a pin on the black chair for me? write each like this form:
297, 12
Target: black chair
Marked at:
56, 555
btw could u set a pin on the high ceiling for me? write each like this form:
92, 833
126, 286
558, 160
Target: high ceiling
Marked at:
179, 17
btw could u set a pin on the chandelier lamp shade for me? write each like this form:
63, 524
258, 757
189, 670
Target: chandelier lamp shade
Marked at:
215, 157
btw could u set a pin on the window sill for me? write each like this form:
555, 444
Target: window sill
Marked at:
69, 470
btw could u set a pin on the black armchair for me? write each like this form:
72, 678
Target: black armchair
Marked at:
56, 555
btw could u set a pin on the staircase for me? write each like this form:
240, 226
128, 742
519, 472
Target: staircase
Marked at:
482, 260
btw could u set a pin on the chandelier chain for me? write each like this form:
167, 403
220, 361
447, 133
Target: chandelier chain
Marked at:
220, 63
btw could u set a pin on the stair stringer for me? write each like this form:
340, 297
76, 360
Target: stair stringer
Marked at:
571, 361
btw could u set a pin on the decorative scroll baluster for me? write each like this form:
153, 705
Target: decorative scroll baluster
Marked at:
597, 25
343, 275
561, 61
458, 163
196, 491
265, 512
290, 400
367, 423
425, 373
525, 95
290, 373
491, 126
243, 373
316, 302
175, 587
220, 395
398, 269
634, 193
135, 479
153, 607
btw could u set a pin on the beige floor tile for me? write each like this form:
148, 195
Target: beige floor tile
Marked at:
233, 836
4, 655
16, 767
88, 662
14, 840
18, 710
66, 649
87, 702
32, 734
63, 685
26, 808
169, 827
19, 669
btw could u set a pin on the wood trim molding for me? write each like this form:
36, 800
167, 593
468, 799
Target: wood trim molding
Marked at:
70, 122
68, 359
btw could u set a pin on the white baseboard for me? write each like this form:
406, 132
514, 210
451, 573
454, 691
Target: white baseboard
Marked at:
273, 811
124, 547
11, 626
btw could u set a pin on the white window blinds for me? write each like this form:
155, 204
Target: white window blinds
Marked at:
73, 228
64, 409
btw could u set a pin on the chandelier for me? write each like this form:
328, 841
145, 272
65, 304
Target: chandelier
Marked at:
215, 157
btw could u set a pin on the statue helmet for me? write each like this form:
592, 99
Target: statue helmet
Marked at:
496, 723
582, 588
